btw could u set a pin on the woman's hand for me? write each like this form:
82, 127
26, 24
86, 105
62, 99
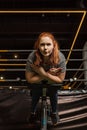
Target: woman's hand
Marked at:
55, 71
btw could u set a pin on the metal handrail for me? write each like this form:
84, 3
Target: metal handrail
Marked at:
5, 60
24, 80
6, 51
76, 69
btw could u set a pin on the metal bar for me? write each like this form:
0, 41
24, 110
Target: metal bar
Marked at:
77, 59
42, 11
25, 69
12, 80
73, 50
3, 60
12, 69
12, 64
76, 35
15, 51
24, 80
76, 69
1, 51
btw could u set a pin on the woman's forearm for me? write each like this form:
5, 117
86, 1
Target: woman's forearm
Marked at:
54, 78
34, 79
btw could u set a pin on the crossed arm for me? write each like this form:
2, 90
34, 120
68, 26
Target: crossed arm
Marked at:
53, 75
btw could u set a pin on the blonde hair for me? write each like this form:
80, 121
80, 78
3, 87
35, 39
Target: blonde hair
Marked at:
54, 58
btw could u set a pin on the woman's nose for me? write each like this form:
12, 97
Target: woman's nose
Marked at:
45, 47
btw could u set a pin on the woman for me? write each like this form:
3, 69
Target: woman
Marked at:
45, 63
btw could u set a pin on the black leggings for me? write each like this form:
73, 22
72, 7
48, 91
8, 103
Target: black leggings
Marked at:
51, 92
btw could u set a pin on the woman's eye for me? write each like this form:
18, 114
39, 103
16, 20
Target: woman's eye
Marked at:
42, 44
48, 44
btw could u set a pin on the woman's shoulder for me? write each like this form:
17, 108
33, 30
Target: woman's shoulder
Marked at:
61, 55
32, 52
32, 55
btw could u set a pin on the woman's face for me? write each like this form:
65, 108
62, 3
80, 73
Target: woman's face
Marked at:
46, 46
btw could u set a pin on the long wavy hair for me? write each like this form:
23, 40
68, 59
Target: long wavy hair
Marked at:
54, 57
